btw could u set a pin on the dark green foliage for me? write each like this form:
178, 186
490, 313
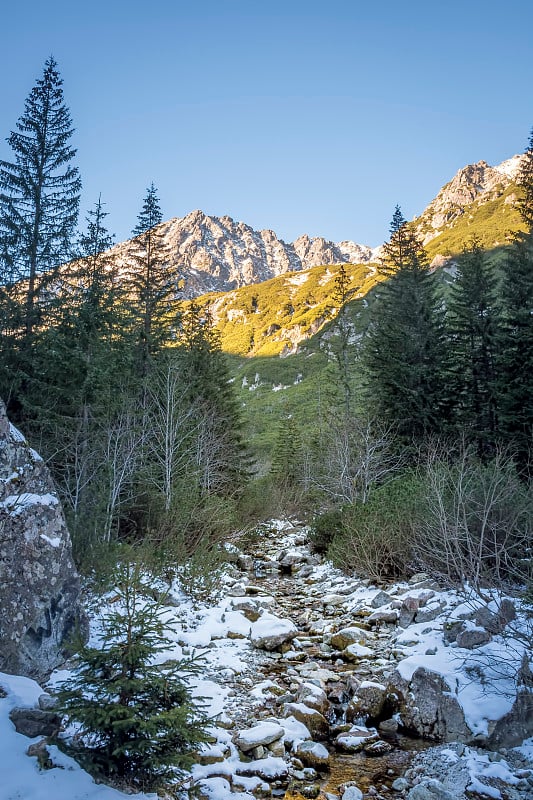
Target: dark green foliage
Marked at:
288, 455
343, 350
404, 350
376, 538
222, 459
516, 338
137, 718
152, 285
472, 323
39, 195
325, 528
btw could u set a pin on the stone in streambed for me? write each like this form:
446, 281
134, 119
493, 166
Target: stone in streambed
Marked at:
313, 754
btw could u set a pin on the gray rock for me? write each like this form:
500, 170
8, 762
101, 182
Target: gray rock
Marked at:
47, 702
400, 784
352, 793
388, 726
379, 748
429, 707
316, 722
35, 722
260, 735
39, 585
473, 637
368, 702
389, 617
517, 725
381, 599
496, 622
430, 790
347, 636
428, 613
312, 754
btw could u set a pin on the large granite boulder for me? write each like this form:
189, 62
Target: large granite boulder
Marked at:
428, 707
39, 586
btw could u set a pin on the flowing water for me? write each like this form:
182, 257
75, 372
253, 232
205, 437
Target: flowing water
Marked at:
295, 600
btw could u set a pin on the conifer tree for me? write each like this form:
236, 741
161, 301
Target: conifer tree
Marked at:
152, 284
39, 195
516, 343
342, 349
403, 350
472, 326
138, 719
287, 457
222, 457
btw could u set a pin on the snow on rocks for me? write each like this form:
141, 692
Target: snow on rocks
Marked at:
262, 734
355, 738
313, 754
271, 632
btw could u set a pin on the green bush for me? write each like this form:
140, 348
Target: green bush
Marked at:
325, 528
377, 538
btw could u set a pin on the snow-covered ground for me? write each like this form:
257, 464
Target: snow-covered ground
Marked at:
241, 697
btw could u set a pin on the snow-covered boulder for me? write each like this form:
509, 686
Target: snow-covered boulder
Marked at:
429, 707
368, 702
313, 720
312, 754
262, 734
39, 586
354, 739
271, 632
346, 636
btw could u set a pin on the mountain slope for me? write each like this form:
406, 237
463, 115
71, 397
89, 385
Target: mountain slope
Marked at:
272, 318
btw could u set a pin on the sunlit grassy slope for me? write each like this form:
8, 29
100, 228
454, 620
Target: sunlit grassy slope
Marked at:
272, 318
491, 221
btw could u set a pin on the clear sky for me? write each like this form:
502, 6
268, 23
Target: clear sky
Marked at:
299, 116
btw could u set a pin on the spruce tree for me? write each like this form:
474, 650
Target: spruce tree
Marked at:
223, 460
472, 322
343, 351
516, 343
39, 195
152, 284
82, 385
403, 350
138, 721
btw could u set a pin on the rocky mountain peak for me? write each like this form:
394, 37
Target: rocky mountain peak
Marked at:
474, 182
220, 254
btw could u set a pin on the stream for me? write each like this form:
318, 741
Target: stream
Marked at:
288, 572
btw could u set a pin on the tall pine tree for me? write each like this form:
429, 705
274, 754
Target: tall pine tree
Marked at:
472, 322
152, 284
39, 194
403, 350
516, 344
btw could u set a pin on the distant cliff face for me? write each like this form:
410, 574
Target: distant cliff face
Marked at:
39, 587
219, 254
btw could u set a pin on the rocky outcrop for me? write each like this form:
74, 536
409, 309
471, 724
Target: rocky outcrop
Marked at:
39, 586
217, 254
475, 182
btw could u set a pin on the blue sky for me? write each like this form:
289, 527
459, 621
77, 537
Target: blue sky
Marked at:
296, 116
